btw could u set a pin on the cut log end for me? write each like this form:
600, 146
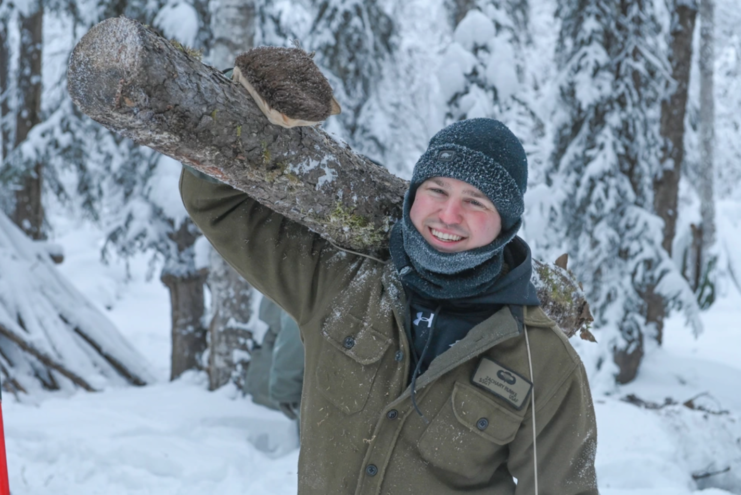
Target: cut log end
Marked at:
106, 56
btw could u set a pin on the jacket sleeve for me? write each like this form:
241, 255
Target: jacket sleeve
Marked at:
282, 259
566, 442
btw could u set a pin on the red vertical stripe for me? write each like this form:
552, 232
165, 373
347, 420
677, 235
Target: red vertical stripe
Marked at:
4, 486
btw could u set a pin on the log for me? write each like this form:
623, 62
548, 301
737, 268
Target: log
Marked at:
45, 358
131, 80
137, 83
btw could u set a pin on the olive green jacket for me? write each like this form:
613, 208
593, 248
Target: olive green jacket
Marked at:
360, 432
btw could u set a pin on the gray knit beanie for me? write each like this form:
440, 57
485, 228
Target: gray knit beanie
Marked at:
483, 153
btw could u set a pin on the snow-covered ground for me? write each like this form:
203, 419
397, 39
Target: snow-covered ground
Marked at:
178, 438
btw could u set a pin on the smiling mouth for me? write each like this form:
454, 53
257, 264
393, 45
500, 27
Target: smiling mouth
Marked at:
442, 236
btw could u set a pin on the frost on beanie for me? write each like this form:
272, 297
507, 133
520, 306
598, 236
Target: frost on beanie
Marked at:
485, 154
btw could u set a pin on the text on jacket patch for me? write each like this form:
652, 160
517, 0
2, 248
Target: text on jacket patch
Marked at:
502, 382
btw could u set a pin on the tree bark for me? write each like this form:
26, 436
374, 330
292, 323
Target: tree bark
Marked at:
233, 22
28, 213
672, 128
5, 134
673, 110
229, 337
187, 305
707, 127
134, 82
188, 334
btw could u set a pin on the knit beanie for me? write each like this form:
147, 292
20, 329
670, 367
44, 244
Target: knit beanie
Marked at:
485, 154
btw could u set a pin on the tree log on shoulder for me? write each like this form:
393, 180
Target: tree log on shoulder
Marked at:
131, 80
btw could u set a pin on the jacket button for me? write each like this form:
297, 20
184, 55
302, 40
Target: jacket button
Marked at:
392, 414
399, 356
349, 343
371, 470
482, 424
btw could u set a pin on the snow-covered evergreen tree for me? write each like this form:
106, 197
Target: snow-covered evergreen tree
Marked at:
613, 77
487, 52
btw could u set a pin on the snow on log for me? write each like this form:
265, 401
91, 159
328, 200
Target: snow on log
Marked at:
49, 331
127, 77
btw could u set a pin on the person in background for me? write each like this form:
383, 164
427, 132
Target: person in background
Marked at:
276, 371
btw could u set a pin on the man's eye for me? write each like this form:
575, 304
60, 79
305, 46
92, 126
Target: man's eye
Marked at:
436, 190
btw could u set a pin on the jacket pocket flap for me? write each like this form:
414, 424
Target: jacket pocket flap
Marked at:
483, 415
356, 339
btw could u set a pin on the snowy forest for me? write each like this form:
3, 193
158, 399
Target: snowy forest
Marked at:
125, 339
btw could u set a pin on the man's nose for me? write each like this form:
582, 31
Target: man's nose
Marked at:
450, 213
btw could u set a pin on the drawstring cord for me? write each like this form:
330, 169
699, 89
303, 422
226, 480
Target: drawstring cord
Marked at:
355, 252
419, 364
532, 407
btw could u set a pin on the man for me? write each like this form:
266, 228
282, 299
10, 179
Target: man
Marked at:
430, 373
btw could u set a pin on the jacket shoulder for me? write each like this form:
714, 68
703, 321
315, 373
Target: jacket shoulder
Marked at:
536, 317
551, 340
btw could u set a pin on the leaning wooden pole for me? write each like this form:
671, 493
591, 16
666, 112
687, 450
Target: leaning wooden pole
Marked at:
127, 77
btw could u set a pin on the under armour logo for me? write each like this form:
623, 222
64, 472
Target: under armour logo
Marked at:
421, 318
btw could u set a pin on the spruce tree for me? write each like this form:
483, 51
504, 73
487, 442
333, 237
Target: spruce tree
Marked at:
607, 153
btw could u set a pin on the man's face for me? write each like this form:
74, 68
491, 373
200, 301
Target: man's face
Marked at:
454, 216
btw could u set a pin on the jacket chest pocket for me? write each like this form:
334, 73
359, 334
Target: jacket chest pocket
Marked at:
469, 435
349, 362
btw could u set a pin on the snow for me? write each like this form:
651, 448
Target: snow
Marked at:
170, 438
41, 307
167, 197
474, 29
178, 20
501, 68
456, 63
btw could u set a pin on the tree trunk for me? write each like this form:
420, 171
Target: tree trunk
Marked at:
628, 359
673, 110
185, 284
231, 303
28, 212
707, 127
233, 23
129, 79
5, 128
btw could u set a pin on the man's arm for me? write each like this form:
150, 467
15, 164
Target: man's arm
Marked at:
283, 260
566, 442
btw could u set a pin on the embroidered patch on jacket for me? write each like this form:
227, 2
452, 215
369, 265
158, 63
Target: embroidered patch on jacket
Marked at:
502, 382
